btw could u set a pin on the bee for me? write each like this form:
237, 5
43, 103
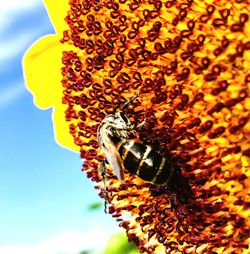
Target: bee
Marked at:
116, 136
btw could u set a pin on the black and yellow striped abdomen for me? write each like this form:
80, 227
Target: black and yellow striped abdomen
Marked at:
145, 162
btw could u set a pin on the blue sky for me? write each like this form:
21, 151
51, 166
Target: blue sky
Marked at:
44, 196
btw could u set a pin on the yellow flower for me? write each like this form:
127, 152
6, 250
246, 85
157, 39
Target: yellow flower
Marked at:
189, 61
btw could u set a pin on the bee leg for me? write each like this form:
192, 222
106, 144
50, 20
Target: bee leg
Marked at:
103, 174
157, 190
140, 126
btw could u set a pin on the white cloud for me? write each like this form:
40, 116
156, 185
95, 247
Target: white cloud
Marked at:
18, 4
66, 243
11, 94
13, 7
12, 47
17, 44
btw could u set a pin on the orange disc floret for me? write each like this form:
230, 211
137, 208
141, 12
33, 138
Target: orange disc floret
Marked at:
189, 62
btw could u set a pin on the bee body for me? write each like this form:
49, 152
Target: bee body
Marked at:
143, 161
122, 152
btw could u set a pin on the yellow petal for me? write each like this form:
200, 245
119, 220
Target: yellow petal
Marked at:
42, 72
57, 10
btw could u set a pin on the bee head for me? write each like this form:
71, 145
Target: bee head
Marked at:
122, 117
119, 119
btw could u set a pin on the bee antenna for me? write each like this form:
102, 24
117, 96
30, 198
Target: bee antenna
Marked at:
126, 104
116, 107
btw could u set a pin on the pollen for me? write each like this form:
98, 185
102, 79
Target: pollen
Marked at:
189, 63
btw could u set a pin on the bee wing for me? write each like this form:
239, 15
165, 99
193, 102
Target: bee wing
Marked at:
113, 156
115, 161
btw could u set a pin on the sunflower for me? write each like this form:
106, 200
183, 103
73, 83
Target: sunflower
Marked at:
189, 63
